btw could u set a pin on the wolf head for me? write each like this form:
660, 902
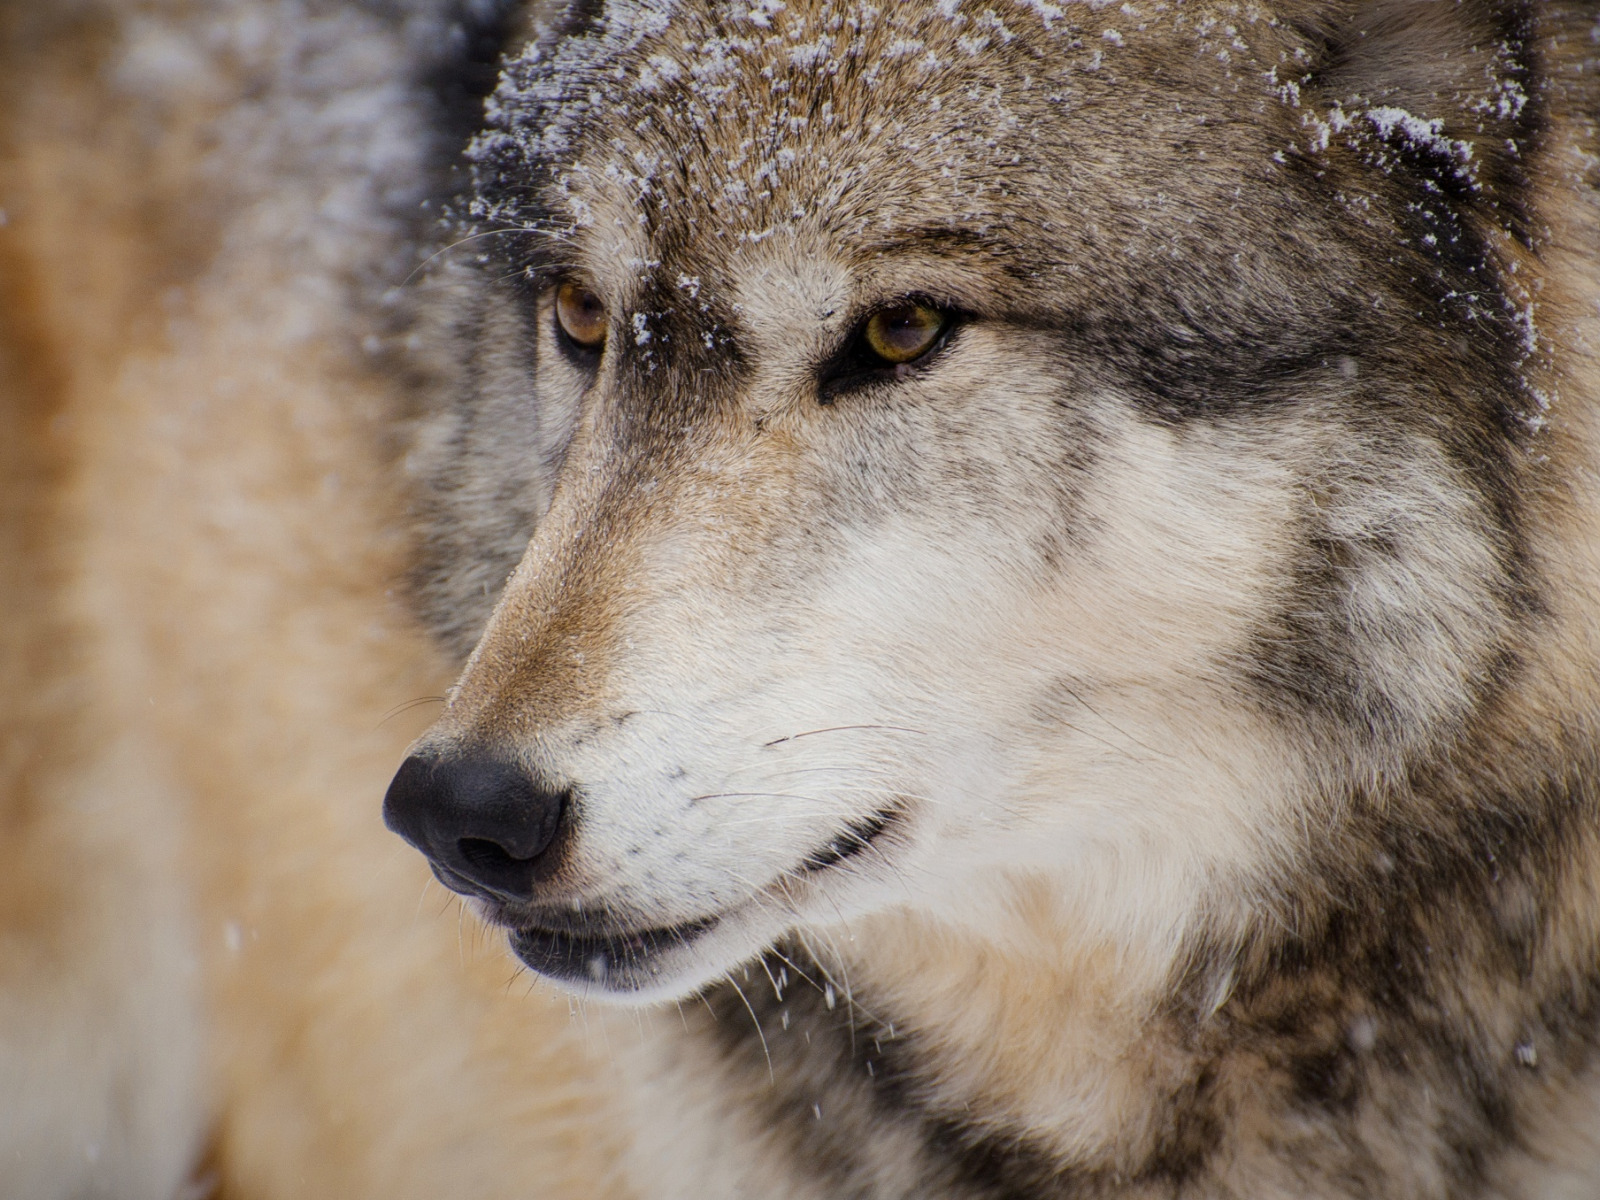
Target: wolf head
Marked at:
956, 452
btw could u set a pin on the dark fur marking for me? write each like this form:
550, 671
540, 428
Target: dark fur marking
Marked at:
1444, 207
1470, 409
457, 620
1363, 988
866, 1081
1184, 371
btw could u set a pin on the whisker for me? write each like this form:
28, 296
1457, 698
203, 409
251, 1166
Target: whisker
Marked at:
829, 982
752, 796
421, 896
423, 265
793, 737
796, 967
1124, 733
777, 992
771, 1075
407, 707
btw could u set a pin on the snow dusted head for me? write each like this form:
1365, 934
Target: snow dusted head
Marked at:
935, 423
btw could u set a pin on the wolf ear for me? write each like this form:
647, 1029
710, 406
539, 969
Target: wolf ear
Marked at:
1446, 85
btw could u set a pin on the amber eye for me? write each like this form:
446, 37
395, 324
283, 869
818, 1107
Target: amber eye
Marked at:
903, 333
582, 316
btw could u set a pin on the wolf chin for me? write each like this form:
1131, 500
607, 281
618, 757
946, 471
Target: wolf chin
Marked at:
1028, 577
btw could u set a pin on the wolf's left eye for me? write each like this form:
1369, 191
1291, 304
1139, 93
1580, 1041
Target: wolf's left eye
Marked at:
582, 316
903, 333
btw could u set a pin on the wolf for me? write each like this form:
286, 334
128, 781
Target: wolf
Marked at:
1049, 580
1014, 585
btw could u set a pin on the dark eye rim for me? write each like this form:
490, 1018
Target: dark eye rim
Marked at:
856, 365
586, 357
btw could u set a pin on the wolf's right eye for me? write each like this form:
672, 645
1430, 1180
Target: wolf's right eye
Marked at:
582, 316
903, 333
888, 345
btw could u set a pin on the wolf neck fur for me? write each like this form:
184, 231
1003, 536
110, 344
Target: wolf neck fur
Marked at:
1045, 1030
1070, 1064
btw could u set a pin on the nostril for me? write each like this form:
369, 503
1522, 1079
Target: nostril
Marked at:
492, 866
486, 824
490, 856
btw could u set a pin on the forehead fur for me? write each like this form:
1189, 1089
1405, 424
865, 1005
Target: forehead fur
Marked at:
999, 123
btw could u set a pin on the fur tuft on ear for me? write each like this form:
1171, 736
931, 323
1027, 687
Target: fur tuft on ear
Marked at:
1439, 89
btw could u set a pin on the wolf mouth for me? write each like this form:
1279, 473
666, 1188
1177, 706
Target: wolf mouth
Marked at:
601, 958
627, 961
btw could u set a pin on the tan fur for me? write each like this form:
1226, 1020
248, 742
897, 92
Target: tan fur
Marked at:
204, 665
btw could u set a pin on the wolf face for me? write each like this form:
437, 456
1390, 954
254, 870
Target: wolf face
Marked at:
1163, 529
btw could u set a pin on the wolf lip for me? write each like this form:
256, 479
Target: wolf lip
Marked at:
855, 838
602, 958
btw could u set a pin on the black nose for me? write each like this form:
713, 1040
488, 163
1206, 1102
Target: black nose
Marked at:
483, 822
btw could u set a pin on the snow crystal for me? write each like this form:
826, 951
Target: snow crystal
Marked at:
761, 13
1419, 131
1288, 90
992, 22
1527, 328
1505, 100
658, 69
1362, 1034
1049, 13
810, 54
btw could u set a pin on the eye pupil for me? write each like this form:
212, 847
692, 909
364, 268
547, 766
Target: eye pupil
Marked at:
905, 332
582, 316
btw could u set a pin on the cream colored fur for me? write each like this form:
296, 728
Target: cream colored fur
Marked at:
189, 196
